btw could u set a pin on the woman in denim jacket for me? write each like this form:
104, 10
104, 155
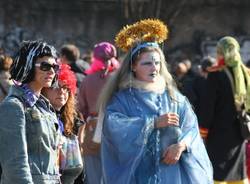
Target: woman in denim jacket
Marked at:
28, 124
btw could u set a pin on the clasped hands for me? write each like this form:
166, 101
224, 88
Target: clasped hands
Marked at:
169, 119
173, 153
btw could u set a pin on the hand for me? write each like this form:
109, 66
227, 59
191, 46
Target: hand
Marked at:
173, 153
167, 120
81, 135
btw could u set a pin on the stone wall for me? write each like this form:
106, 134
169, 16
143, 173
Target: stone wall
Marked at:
81, 23
85, 22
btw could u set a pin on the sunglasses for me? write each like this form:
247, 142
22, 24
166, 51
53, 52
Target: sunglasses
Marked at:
45, 66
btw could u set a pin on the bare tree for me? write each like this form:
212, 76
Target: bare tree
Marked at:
134, 10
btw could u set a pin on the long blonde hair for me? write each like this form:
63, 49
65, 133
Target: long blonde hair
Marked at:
125, 72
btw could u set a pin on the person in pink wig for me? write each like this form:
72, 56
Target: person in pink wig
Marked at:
104, 59
103, 64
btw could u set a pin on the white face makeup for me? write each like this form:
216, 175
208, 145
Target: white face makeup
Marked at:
147, 67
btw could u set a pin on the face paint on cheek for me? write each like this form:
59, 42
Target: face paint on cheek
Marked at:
153, 58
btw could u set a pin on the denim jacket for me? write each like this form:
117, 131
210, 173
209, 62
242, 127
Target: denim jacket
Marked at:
28, 140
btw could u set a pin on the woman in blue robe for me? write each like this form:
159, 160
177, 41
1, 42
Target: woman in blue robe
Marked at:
149, 132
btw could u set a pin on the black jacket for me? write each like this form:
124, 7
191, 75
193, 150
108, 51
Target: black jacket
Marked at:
225, 146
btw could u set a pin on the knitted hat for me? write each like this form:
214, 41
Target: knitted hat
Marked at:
104, 51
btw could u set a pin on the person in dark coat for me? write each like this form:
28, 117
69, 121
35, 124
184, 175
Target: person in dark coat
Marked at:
195, 89
70, 54
218, 117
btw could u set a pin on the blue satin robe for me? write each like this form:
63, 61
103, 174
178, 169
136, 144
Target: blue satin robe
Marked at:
132, 148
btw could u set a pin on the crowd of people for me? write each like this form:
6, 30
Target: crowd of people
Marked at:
98, 120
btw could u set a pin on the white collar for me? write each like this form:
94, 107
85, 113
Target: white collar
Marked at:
158, 86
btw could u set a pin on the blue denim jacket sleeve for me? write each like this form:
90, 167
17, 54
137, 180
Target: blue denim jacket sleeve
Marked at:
14, 157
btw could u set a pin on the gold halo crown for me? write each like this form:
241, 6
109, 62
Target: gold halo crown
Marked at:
147, 30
